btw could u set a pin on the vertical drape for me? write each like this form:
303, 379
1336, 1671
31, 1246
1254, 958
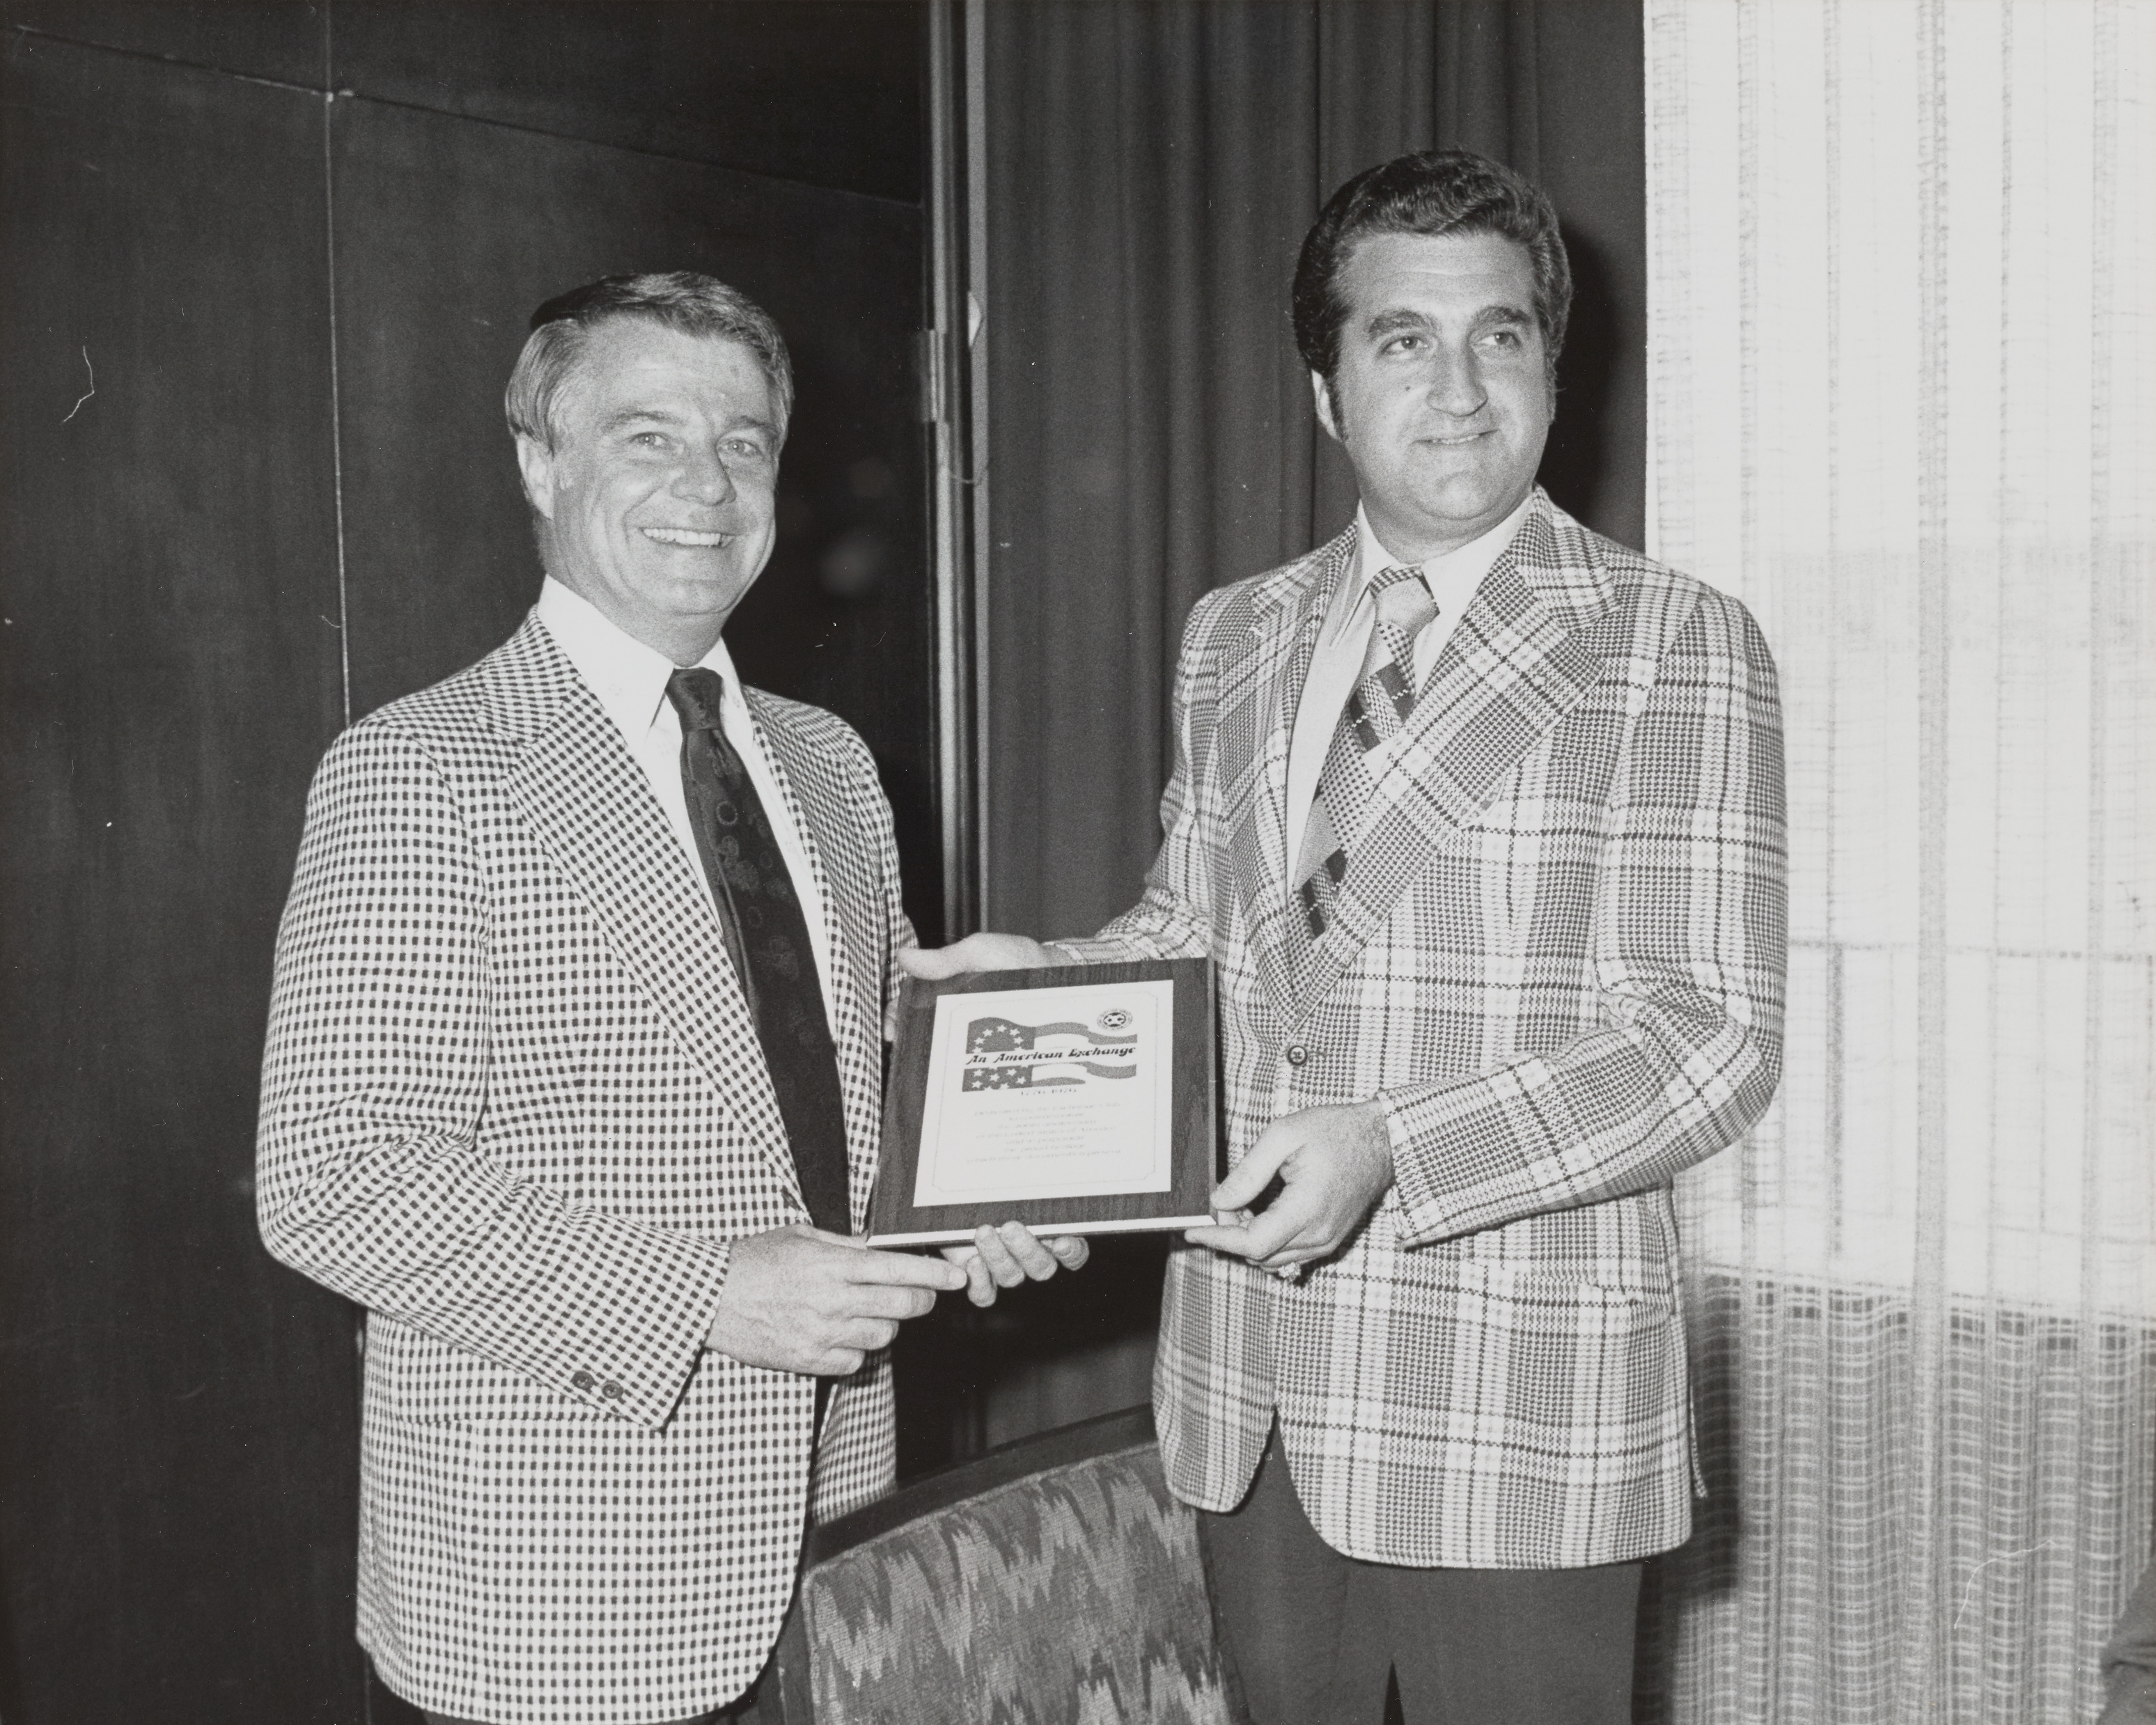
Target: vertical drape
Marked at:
1902, 392
1151, 169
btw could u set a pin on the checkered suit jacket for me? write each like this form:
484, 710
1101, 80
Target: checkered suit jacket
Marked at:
1558, 960
513, 1105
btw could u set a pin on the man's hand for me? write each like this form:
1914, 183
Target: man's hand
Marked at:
1335, 1163
1003, 1257
977, 952
799, 1300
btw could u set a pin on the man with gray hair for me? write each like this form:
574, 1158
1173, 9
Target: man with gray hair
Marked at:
574, 1072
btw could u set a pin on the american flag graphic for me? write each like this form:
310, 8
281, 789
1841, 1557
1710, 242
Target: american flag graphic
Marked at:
991, 1036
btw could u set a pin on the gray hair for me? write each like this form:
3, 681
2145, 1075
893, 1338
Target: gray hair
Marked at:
678, 299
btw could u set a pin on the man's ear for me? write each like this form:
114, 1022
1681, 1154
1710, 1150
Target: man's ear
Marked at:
1320, 397
534, 461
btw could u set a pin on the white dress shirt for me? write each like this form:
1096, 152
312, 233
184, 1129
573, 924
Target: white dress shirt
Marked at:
629, 680
1345, 640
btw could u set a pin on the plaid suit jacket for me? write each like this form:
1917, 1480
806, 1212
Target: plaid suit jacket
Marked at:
1558, 961
513, 1105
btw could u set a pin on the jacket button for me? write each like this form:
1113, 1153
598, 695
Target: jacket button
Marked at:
1297, 1055
611, 1390
582, 1380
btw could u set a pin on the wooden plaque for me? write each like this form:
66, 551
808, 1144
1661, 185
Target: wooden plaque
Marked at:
1077, 1100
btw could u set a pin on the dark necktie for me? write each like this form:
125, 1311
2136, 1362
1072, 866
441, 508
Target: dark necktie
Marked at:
1377, 711
768, 938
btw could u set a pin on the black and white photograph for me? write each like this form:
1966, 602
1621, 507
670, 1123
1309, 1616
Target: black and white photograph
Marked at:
1201, 862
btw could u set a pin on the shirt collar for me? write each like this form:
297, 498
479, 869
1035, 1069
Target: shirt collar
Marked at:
628, 678
1451, 578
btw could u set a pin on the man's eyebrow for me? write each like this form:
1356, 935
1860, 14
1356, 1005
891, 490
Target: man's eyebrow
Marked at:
631, 416
1394, 318
622, 418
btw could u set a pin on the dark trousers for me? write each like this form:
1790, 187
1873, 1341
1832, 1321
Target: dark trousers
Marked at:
1311, 1637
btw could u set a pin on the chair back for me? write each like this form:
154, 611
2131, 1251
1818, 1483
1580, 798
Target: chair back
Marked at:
1053, 1580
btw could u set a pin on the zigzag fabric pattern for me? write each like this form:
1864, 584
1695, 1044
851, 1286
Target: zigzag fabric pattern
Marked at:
1072, 1595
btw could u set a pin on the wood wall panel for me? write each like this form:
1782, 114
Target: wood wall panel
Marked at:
286, 40
178, 1443
450, 233
175, 1438
825, 91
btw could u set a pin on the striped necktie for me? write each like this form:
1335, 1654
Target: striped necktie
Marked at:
1376, 712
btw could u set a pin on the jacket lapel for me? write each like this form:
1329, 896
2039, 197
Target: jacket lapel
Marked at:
1260, 691
592, 810
1512, 667
846, 874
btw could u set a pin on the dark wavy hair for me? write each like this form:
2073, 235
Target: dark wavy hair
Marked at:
678, 299
1431, 192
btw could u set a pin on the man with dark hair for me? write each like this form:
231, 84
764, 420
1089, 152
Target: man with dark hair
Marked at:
1479, 817
574, 1071
1467, 194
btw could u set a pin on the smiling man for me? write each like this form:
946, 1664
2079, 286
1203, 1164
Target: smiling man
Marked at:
574, 1072
1479, 817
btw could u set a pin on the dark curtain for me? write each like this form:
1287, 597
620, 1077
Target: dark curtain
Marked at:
1151, 169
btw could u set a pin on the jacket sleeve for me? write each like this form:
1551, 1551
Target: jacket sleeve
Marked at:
368, 1175
1173, 916
1690, 957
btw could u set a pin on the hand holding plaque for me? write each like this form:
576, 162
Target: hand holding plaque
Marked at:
1075, 1099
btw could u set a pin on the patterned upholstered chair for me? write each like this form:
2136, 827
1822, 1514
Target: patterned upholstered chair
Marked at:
1053, 1580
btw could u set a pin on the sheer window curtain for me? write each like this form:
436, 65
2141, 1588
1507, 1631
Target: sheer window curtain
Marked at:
1902, 377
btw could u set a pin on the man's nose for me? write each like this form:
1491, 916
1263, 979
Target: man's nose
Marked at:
1455, 383
703, 478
